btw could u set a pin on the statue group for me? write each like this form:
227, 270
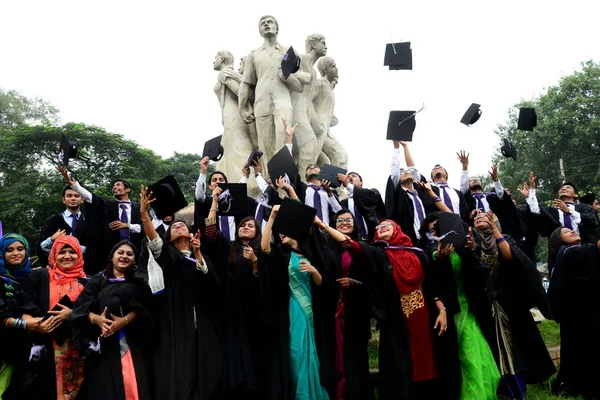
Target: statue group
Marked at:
257, 98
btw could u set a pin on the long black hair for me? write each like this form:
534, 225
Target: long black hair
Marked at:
554, 243
108, 272
236, 249
354, 234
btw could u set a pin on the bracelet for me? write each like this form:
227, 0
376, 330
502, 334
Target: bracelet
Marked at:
24, 324
126, 320
266, 251
255, 260
16, 322
255, 273
500, 240
436, 199
214, 209
442, 309
92, 319
436, 299
145, 220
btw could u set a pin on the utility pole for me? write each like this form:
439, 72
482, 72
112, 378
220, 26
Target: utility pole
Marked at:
562, 170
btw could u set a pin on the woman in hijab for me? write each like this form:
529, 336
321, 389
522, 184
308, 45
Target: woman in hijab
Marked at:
112, 327
573, 287
14, 269
412, 363
53, 290
513, 287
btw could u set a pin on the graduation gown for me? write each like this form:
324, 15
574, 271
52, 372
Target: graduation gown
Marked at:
202, 208
370, 206
504, 209
187, 340
518, 286
399, 207
528, 241
52, 224
588, 228
462, 204
395, 363
103, 374
574, 284
43, 372
98, 214
245, 321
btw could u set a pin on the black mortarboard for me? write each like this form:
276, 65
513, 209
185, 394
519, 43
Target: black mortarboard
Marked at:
472, 115
527, 119
234, 199
282, 163
62, 332
290, 63
398, 56
294, 219
452, 230
67, 150
213, 149
401, 125
254, 155
168, 195
330, 172
508, 149
588, 199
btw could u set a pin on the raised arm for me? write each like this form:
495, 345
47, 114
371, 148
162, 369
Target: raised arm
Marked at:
503, 246
265, 241
497, 185
83, 192
436, 199
463, 157
145, 201
201, 183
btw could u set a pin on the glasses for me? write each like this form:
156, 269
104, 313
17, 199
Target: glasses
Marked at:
348, 221
378, 227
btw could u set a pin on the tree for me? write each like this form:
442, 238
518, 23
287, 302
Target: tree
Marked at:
568, 127
30, 186
16, 109
183, 166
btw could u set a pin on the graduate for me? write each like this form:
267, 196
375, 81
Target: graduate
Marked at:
574, 282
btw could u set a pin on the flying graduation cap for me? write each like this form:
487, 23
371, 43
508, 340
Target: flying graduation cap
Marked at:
398, 56
67, 151
450, 229
213, 149
527, 119
471, 115
508, 149
294, 219
330, 172
169, 197
255, 155
290, 63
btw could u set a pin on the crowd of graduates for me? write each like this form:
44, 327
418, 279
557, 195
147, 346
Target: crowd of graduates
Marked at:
275, 297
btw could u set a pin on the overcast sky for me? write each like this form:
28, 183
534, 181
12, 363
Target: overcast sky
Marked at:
144, 68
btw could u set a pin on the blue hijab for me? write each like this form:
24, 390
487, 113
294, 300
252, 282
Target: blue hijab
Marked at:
21, 271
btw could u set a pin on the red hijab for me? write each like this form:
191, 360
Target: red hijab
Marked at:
64, 276
406, 266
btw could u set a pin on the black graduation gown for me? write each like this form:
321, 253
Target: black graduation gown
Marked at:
520, 288
573, 287
202, 208
395, 363
245, 321
588, 228
277, 263
504, 209
44, 370
400, 208
15, 343
187, 340
370, 206
98, 214
528, 241
357, 323
52, 224
103, 375
462, 204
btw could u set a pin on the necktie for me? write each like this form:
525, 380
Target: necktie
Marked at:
418, 206
567, 218
479, 196
260, 214
317, 201
447, 200
124, 233
224, 220
362, 231
74, 219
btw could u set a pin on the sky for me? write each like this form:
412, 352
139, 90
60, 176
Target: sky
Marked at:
144, 68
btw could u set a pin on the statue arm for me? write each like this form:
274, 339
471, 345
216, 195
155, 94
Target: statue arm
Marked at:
234, 86
243, 102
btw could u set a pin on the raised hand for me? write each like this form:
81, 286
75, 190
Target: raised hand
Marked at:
203, 165
494, 173
145, 200
256, 166
289, 130
444, 252
195, 241
471, 245
463, 157
532, 179
245, 169
248, 253
344, 179
325, 184
215, 194
524, 190
65, 173
306, 267
281, 183
57, 234
561, 205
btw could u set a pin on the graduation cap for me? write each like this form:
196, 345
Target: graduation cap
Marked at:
330, 172
290, 63
67, 150
168, 195
398, 56
401, 125
450, 229
527, 119
294, 219
233, 200
472, 115
508, 149
213, 149
282, 164
254, 155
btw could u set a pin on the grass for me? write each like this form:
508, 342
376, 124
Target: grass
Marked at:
550, 332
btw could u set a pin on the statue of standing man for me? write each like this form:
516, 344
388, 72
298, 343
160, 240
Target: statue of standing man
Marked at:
272, 102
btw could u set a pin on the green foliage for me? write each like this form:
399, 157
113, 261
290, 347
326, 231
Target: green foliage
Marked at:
183, 167
568, 127
16, 109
